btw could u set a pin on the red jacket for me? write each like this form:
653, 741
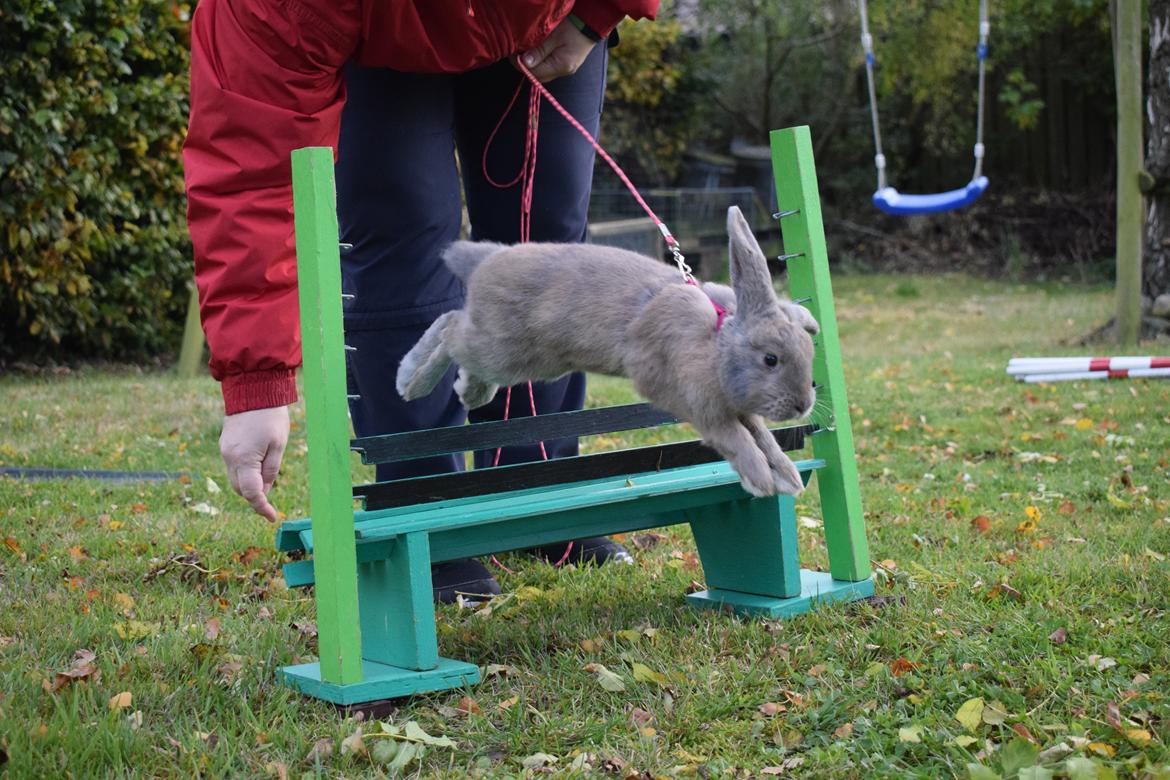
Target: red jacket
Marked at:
265, 79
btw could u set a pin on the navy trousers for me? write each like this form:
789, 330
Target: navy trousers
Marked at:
407, 142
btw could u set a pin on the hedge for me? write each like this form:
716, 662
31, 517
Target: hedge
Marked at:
94, 253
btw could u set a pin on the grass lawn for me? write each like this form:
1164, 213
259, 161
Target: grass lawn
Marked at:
1021, 537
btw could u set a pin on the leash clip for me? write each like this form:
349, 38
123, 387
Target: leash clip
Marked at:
680, 260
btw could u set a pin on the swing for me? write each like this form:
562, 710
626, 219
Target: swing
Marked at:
887, 198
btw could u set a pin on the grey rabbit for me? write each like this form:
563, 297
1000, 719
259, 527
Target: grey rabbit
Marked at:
539, 311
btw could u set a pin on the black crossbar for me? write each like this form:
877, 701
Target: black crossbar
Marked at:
395, 447
422, 490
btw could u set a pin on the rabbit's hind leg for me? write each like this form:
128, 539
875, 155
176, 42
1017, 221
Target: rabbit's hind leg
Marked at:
473, 392
427, 361
784, 473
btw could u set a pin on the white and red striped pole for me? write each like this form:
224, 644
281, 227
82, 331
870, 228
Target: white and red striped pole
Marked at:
1056, 369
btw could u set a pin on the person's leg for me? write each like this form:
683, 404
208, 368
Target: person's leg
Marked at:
560, 210
398, 204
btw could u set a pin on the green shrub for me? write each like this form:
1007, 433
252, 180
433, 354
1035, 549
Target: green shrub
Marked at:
94, 253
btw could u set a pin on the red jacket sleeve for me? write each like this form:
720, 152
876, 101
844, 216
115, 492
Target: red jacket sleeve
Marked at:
603, 15
265, 79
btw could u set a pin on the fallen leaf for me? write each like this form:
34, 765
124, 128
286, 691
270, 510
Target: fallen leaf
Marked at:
538, 761
467, 705
321, 750
1022, 730
135, 630
970, 715
902, 666
643, 673
353, 743
964, 740
845, 731
212, 487
608, 679
1066, 507
1113, 715
501, 669
640, 717
1101, 663
1138, 737
981, 524
994, 714
121, 701
770, 708
15, 548
910, 734
1059, 636
1103, 749
202, 508
82, 668
211, 629
507, 704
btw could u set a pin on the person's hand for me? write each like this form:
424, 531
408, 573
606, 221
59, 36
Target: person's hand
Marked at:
561, 54
252, 444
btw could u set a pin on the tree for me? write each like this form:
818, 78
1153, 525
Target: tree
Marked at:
1156, 271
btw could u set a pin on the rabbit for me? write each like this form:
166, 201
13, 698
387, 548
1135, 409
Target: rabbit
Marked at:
540, 311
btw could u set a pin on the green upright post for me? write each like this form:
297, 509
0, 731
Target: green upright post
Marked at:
327, 416
808, 275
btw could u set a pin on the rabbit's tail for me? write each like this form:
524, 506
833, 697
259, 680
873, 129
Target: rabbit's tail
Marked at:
463, 257
427, 361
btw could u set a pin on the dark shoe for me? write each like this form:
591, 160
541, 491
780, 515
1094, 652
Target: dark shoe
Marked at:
467, 577
595, 549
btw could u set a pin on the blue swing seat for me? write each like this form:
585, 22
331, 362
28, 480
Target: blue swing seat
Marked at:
891, 201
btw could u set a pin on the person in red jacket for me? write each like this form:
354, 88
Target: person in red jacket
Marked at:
401, 90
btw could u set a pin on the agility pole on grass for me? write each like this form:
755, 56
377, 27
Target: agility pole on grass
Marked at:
1068, 369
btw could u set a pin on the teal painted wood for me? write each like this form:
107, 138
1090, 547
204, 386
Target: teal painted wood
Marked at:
296, 534
719, 478
380, 681
326, 412
808, 277
395, 601
749, 546
817, 588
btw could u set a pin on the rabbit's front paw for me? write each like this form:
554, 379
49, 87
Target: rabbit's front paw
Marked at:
786, 477
757, 479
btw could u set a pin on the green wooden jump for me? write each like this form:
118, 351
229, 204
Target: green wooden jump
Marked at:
371, 567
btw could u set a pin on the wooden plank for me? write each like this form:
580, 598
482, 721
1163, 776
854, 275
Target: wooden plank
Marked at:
420, 490
326, 414
808, 276
463, 513
395, 447
397, 614
459, 529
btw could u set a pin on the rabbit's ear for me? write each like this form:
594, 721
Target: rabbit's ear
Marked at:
749, 268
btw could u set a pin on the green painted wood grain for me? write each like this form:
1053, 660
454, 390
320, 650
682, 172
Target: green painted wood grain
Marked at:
804, 232
326, 414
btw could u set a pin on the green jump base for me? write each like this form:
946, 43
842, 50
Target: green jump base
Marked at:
380, 681
816, 588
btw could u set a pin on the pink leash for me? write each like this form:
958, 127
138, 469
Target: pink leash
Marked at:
527, 177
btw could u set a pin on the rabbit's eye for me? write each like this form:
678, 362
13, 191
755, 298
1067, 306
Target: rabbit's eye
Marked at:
770, 360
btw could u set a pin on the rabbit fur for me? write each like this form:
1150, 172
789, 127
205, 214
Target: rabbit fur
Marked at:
539, 311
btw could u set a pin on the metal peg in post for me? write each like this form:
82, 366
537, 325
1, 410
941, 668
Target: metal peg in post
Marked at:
344, 246
786, 258
783, 214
